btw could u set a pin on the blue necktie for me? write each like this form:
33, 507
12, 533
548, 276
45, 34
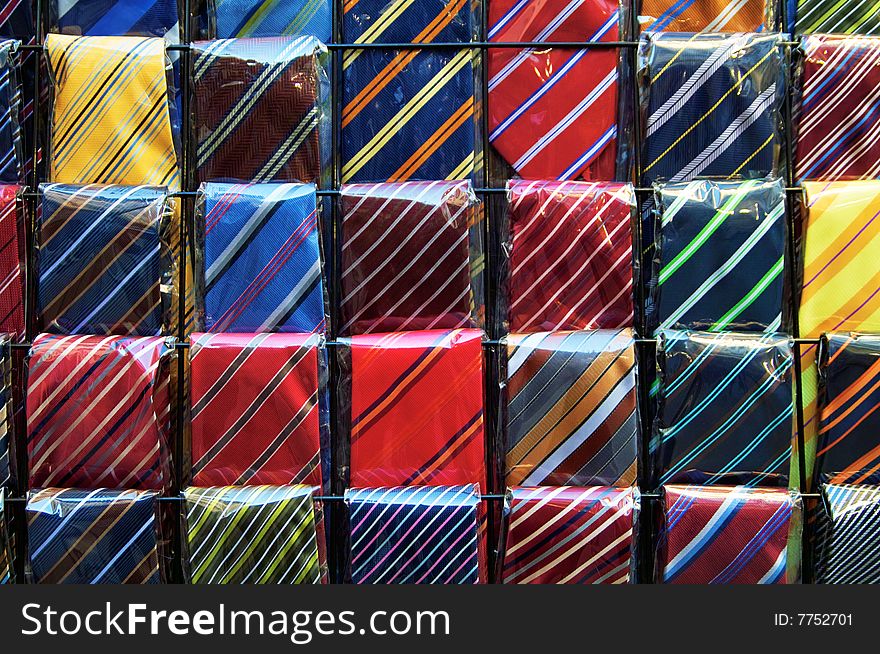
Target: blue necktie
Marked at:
6, 411
245, 18
17, 22
848, 535
11, 149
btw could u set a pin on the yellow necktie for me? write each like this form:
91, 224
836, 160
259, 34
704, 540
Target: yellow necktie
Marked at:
703, 15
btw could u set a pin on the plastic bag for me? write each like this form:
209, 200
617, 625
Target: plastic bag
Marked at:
228, 19
833, 16
707, 16
115, 18
11, 147
11, 254
99, 412
412, 257
254, 535
846, 538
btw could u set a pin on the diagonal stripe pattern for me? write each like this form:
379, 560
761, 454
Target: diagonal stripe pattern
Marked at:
93, 537
11, 147
713, 105
720, 256
230, 19
104, 261
11, 277
706, 15
6, 412
728, 535
848, 536
569, 535
834, 16
262, 263
571, 409
99, 412
412, 257
17, 23
256, 409
725, 409
116, 18
415, 535
416, 408
571, 256
255, 535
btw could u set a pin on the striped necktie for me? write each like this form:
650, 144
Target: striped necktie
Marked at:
6, 414
411, 257
103, 259
728, 535
840, 109
255, 535
415, 535
553, 112
93, 537
571, 256
116, 18
726, 413
11, 278
409, 114
713, 105
571, 409
99, 412
706, 15
5, 559
11, 148
403, 432
17, 22
720, 256
248, 18
257, 409
262, 264
257, 106
835, 16
848, 448
569, 536
848, 538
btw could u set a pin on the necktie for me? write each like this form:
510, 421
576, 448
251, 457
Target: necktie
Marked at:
713, 105
720, 257
840, 109
571, 414
5, 567
416, 408
411, 257
103, 258
93, 537
571, 256
262, 263
706, 15
553, 112
17, 22
848, 449
415, 535
848, 539
258, 105
255, 535
6, 415
99, 412
569, 536
835, 16
258, 414
11, 291
728, 535
726, 412
248, 18
409, 114
11, 152
116, 18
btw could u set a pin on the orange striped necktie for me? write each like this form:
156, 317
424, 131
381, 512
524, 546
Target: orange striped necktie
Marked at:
705, 15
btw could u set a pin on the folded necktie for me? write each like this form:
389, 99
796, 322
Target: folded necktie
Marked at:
104, 260
116, 18
553, 112
706, 15
17, 22
713, 105
99, 412
255, 535
726, 414
5, 561
834, 16
416, 413
728, 535
12, 290
848, 536
571, 409
415, 535
11, 148
571, 256
229, 19
720, 255
258, 106
411, 257
93, 537
257, 410
262, 264
6, 414
840, 109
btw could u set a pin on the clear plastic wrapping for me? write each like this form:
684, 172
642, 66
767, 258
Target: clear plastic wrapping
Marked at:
412, 404
11, 147
229, 19
730, 535
115, 18
6, 415
95, 537
726, 412
719, 256
833, 16
711, 105
259, 409
412, 257
847, 547
99, 412
569, 257
261, 110
707, 15
12, 252
571, 409
259, 259
254, 535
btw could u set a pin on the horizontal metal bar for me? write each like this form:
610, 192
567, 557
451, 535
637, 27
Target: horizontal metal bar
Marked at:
319, 498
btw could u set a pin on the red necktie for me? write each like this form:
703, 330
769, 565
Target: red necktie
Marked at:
11, 311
